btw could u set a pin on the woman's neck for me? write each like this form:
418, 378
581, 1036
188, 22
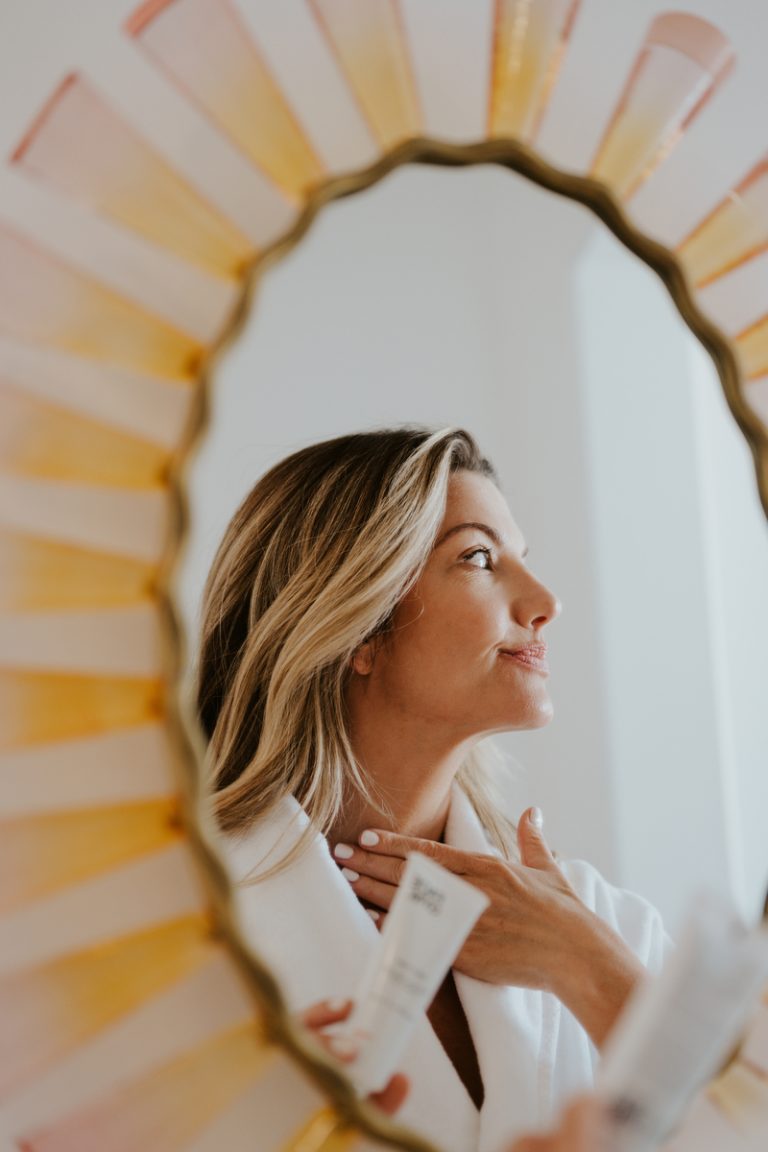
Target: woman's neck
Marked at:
409, 767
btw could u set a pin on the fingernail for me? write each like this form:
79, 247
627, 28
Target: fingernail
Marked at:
343, 851
368, 839
537, 818
350, 874
336, 1004
374, 915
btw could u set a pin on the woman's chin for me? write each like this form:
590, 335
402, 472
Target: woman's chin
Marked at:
537, 717
540, 714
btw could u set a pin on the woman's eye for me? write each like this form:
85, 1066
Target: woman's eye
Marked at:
484, 555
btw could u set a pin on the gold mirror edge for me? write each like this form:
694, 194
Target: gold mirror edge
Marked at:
185, 733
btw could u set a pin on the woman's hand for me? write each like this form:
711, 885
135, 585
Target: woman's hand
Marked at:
536, 932
321, 1016
584, 1128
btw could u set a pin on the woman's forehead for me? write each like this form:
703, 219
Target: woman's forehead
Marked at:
473, 498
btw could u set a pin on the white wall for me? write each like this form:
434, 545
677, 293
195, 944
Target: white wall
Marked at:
682, 568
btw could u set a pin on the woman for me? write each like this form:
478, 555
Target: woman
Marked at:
369, 619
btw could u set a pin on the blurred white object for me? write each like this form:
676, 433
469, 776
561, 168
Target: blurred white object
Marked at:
679, 1028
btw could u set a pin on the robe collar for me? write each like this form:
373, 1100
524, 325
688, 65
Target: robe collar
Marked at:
310, 928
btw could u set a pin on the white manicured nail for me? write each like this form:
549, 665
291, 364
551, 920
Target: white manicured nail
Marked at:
342, 1046
336, 1004
343, 851
368, 839
350, 874
537, 818
374, 915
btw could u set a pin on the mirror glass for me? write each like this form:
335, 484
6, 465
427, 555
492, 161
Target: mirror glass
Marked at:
471, 297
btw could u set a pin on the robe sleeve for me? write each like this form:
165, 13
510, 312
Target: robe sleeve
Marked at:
633, 917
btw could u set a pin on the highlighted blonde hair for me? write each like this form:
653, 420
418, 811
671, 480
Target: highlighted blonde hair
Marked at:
312, 565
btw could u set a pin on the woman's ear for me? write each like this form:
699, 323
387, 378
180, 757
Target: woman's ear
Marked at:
361, 660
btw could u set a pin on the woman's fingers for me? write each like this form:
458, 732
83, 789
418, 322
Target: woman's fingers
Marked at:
325, 1013
346, 1049
386, 868
534, 850
392, 1097
371, 891
587, 1122
380, 843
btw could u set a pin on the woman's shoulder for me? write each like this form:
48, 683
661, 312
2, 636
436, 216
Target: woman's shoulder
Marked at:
636, 919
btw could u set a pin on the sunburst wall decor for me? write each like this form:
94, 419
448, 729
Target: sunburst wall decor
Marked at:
132, 1016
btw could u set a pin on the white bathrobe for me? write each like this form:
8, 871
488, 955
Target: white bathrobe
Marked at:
307, 923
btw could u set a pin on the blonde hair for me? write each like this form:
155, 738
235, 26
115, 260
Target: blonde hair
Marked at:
312, 565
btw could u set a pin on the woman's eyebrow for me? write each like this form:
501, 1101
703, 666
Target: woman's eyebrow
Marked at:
491, 533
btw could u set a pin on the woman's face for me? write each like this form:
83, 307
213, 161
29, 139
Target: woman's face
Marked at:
457, 652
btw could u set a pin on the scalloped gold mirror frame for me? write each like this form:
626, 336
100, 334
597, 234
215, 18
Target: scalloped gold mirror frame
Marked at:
100, 354
597, 197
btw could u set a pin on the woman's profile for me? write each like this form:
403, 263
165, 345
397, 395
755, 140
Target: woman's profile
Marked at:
369, 620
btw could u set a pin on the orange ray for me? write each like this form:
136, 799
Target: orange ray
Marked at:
49, 1011
206, 49
83, 148
324, 1132
372, 50
530, 41
682, 62
40, 574
37, 707
45, 440
44, 299
41, 854
752, 347
165, 1110
741, 1094
732, 233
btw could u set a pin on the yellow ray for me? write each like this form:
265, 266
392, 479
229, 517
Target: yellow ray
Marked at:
44, 440
204, 46
49, 1011
40, 574
324, 1132
165, 1110
682, 62
44, 299
37, 707
530, 41
733, 232
741, 1094
44, 853
82, 147
370, 44
752, 346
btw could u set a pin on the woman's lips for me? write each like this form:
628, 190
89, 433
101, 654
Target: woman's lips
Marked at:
533, 658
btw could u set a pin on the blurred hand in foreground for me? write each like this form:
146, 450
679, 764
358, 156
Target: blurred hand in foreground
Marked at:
321, 1016
584, 1127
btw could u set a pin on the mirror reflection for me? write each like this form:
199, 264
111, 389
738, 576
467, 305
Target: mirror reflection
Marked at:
371, 649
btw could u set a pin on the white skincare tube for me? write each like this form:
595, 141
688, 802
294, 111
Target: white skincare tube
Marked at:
431, 916
680, 1026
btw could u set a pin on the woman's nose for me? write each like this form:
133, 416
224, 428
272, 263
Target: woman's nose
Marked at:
536, 606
